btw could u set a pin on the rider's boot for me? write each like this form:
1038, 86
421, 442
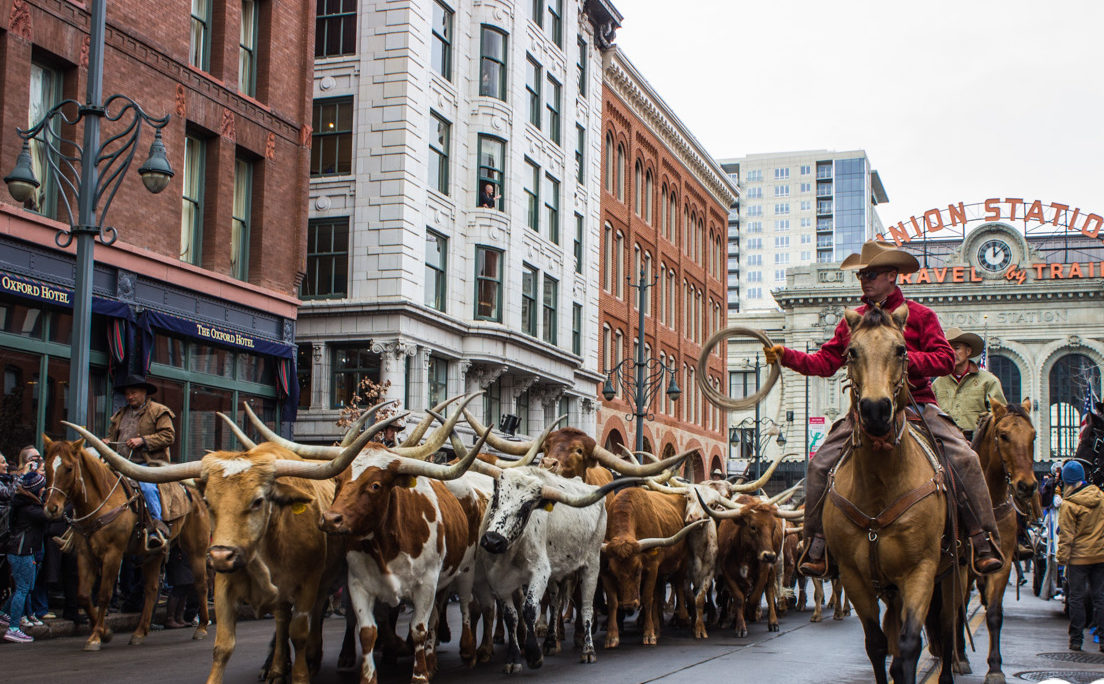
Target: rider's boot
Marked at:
984, 555
157, 535
815, 561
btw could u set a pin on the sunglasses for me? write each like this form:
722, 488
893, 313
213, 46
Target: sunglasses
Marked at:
871, 275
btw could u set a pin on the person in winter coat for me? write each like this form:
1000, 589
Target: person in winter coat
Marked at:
28, 523
1081, 547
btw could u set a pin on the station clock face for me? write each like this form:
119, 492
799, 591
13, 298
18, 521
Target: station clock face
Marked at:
994, 255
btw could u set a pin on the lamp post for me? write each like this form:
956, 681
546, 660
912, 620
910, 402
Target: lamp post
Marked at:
774, 430
102, 168
641, 377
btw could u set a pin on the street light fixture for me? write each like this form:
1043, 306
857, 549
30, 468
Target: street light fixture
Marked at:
102, 168
642, 385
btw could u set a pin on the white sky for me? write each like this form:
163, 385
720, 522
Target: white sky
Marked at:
952, 101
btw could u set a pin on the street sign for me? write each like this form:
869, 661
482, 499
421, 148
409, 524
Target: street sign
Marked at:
818, 430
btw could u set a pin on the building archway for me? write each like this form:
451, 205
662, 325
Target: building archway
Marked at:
1072, 377
614, 441
715, 469
1008, 373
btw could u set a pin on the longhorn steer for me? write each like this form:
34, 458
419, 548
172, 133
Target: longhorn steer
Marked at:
265, 547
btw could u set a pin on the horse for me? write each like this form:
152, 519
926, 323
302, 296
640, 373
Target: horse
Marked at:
103, 522
1090, 448
897, 556
1005, 443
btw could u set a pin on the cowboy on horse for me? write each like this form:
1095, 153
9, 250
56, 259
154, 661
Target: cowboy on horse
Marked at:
966, 394
929, 355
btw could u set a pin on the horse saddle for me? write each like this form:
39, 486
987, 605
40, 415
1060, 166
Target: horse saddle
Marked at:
176, 502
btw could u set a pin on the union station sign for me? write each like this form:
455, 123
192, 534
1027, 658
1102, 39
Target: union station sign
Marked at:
1055, 214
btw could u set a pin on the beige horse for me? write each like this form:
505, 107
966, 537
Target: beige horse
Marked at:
886, 511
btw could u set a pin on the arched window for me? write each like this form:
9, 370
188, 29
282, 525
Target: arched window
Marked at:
607, 257
663, 222
618, 264
648, 279
621, 172
638, 188
607, 347
672, 221
618, 354
1071, 378
663, 400
614, 442
1009, 375
672, 311
648, 197
662, 315
609, 162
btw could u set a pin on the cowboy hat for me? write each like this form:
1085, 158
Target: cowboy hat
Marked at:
877, 254
135, 381
975, 343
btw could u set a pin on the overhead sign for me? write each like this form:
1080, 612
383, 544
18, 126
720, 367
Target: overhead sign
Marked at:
818, 430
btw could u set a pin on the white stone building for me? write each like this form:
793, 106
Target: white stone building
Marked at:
437, 111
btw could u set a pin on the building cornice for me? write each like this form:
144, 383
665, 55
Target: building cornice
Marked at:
941, 294
634, 90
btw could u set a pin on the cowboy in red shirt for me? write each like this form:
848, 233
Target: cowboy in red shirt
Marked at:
929, 355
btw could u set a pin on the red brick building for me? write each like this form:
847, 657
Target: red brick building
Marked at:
664, 209
202, 281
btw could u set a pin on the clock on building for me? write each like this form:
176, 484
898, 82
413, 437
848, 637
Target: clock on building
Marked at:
994, 255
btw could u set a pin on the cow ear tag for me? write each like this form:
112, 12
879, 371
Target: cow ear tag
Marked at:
547, 505
298, 508
411, 481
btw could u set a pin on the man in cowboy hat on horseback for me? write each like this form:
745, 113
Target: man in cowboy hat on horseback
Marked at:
143, 431
929, 354
966, 393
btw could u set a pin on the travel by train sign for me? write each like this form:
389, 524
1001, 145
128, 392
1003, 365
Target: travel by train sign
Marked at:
1054, 214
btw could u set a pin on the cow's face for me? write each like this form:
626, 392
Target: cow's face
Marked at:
626, 564
516, 495
760, 531
362, 500
573, 449
241, 492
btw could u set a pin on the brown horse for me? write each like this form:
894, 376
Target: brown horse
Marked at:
103, 523
1005, 443
886, 511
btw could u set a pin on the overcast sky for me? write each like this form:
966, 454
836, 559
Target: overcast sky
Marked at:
952, 101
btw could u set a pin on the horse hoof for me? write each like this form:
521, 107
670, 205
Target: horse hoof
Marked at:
200, 634
136, 640
995, 678
512, 668
773, 627
961, 667
740, 633
92, 646
107, 636
839, 616
816, 618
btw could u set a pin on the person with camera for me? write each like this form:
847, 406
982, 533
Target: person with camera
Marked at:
28, 523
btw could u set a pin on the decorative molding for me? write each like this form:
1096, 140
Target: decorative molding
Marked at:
394, 349
485, 375
19, 20
317, 349
270, 146
227, 130
86, 46
520, 385
289, 331
182, 101
587, 405
124, 285
549, 394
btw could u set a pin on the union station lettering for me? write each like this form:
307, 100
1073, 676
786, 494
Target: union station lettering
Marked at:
1015, 274
1055, 214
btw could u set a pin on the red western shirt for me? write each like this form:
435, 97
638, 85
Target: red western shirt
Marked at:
929, 353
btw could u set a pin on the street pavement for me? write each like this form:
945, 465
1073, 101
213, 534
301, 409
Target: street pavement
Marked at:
802, 652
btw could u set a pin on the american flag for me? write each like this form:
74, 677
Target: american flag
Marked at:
1086, 409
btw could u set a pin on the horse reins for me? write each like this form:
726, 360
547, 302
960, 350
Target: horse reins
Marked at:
78, 523
878, 443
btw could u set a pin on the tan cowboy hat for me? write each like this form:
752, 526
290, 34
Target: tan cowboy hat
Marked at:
974, 342
876, 254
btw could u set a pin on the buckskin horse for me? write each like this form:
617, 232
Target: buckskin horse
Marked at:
103, 523
894, 555
1005, 443
1090, 448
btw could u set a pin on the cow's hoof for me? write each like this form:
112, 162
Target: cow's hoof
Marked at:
484, 655
552, 648
107, 636
741, 632
92, 646
700, 633
816, 618
511, 668
613, 642
649, 640
772, 627
200, 634
588, 657
137, 639
995, 678
347, 664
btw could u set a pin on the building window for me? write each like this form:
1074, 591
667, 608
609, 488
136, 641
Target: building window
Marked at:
755, 243
438, 381
552, 207
552, 95
580, 153
441, 53
531, 188
620, 172
554, 25
439, 154
549, 323
578, 246
529, 300
781, 174
806, 187
1009, 375
581, 67
335, 28
782, 225
247, 49
239, 230
436, 265
332, 141
327, 259
779, 274
351, 366
492, 402
191, 215
649, 189
782, 190
609, 162
638, 188
782, 208
1071, 378
781, 241
199, 48
577, 329
46, 89
492, 156
533, 89
806, 169
488, 284
492, 63
619, 264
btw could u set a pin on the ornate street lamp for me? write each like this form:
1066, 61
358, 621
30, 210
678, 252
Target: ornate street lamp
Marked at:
641, 386
102, 168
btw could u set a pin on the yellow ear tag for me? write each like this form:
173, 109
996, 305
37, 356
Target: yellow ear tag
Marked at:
548, 505
412, 481
653, 553
298, 508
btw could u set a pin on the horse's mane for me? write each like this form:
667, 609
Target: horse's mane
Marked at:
1018, 410
876, 317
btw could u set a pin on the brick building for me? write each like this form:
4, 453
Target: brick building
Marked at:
202, 281
664, 208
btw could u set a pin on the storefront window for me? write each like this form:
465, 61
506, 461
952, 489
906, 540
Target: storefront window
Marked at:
206, 431
171, 394
350, 366
169, 351
19, 404
211, 360
253, 368
305, 370
264, 407
21, 320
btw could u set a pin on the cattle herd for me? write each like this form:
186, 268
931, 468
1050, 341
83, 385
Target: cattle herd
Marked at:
528, 534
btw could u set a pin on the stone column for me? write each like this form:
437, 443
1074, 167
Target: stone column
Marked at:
419, 380
393, 354
320, 375
548, 398
510, 398
480, 378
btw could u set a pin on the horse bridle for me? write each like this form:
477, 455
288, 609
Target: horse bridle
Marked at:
80, 477
991, 433
878, 443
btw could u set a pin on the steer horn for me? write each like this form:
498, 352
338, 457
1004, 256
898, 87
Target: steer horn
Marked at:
645, 455
354, 429
790, 515
609, 460
420, 429
332, 468
720, 515
666, 489
437, 439
415, 467
173, 472
653, 542
752, 486
242, 437
592, 497
783, 497
535, 446
313, 451
506, 446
